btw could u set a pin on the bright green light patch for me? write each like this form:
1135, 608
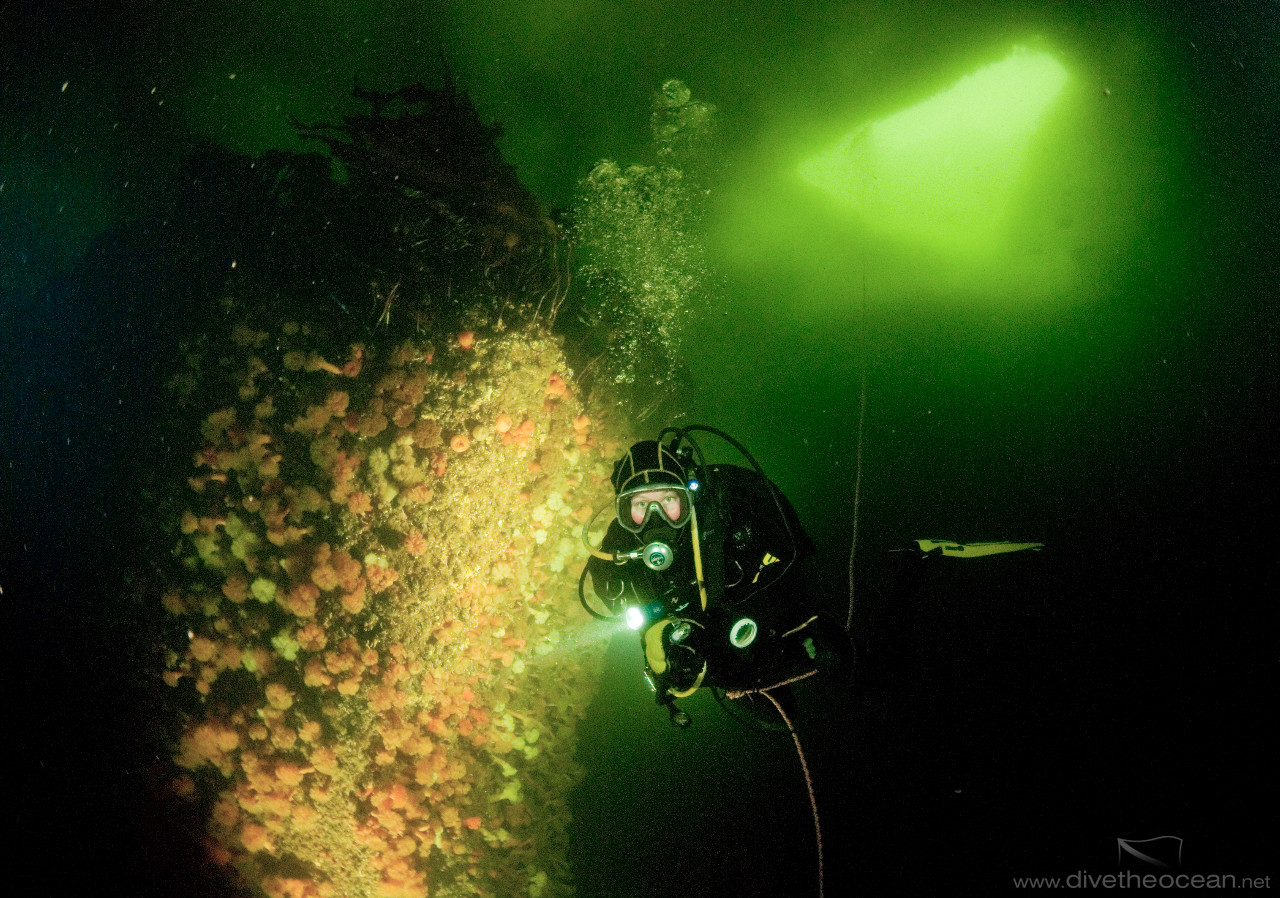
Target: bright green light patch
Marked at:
943, 171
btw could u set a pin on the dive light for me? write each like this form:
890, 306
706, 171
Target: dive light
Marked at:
637, 615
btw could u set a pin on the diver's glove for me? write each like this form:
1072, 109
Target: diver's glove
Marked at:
679, 718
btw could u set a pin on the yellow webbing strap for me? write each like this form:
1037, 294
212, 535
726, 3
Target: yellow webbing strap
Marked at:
697, 684
697, 557
654, 653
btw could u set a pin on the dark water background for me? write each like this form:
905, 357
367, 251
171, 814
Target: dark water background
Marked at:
1011, 718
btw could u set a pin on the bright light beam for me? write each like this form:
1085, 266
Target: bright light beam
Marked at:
943, 171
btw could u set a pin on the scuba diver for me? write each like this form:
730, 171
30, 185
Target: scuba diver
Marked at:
705, 561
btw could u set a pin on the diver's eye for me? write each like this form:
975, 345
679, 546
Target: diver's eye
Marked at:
638, 510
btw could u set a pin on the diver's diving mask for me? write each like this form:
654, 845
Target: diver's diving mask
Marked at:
651, 503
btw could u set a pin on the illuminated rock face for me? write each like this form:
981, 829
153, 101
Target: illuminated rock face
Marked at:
381, 559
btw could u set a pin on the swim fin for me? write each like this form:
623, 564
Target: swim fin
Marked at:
972, 550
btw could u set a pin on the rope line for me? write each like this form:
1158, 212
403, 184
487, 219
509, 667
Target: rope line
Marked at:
743, 693
857, 480
808, 782
804, 765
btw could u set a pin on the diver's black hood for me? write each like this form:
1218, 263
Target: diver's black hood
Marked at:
647, 463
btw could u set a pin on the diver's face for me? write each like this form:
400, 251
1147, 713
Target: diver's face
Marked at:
667, 500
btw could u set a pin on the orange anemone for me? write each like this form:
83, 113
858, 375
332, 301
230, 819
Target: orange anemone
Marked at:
415, 543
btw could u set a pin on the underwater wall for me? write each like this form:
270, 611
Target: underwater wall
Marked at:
378, 562
374, 641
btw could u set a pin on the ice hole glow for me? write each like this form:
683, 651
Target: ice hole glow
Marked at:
943, 171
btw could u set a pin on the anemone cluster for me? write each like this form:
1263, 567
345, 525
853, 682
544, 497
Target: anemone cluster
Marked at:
381, 665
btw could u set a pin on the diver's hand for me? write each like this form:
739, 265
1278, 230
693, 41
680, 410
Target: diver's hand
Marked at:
679, 718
